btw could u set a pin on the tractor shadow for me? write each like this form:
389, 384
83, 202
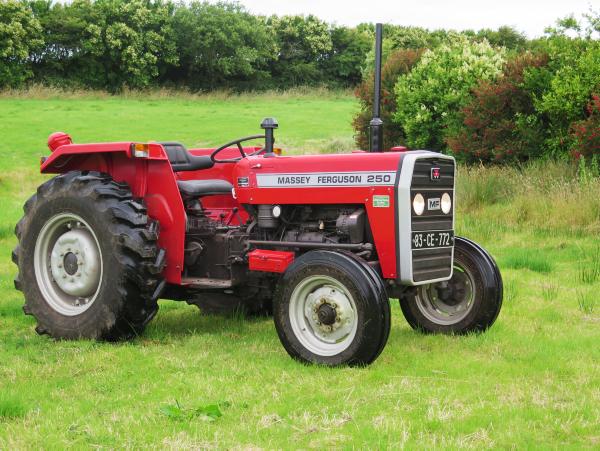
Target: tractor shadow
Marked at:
181, 320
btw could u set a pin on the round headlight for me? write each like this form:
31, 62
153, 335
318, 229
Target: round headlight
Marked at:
419, 204
276, 211
446, 203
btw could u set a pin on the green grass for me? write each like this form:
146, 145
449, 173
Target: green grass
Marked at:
194, 381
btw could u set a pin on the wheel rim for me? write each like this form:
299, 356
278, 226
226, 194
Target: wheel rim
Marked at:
448, 303
68, 264
323, 315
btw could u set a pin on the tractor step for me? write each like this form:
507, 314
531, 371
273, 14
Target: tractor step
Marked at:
206, 282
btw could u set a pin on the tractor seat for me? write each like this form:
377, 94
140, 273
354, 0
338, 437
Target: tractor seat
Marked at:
199, 188
182, 160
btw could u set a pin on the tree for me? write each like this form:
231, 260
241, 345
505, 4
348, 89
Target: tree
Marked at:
504, 36
303, 43
222, 45
20, 35
59, 60
126, 42
344, 62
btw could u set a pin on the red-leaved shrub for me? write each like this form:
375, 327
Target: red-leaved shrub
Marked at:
397, 63
500, 123
586, 133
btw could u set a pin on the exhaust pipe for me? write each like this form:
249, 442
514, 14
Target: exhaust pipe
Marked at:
376, 124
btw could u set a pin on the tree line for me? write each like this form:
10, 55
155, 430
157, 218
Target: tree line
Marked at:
112, 44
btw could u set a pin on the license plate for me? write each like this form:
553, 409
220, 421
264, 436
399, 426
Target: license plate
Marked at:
433, 239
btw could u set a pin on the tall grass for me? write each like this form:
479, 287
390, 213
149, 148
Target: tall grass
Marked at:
42, 92
546, 196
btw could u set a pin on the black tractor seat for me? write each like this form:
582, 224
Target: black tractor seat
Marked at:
182, 160
199, 188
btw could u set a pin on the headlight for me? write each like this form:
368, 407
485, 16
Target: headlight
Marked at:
446, 203
419, 204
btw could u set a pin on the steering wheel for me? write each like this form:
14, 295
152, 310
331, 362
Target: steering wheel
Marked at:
238, 143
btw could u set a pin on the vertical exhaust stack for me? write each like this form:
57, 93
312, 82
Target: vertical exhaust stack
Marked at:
376, 124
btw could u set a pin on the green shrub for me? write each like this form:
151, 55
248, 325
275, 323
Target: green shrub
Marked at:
431, 96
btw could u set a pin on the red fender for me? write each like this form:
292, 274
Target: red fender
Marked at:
150, 178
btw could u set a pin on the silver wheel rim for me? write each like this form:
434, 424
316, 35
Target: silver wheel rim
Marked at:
68, 264
310, 298
432, 300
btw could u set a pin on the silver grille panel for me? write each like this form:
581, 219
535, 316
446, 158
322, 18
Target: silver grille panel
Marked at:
420, 266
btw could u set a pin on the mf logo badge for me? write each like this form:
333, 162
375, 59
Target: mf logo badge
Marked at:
433, 203
435, 173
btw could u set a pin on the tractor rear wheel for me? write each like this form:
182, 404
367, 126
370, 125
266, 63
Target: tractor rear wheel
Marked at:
331, 309
88, 258
469, 302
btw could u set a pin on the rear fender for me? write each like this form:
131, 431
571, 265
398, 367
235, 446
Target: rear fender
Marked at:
149, 178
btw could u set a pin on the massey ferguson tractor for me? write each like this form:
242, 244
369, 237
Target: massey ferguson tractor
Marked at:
320, 241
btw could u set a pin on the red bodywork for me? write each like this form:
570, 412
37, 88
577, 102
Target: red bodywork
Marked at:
153, 180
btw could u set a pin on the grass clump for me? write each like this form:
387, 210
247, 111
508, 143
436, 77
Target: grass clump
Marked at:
589, 269
550, 291
527, 259
586, 301
209, 412
11, 407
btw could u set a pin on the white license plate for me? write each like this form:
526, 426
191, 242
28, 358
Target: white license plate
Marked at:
433, 239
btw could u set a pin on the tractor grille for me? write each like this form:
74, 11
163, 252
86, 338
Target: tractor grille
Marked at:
432, 263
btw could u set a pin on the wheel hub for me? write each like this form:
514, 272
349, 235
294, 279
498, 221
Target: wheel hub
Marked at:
329, 314
447, 302
454, 291
70, 263
326, 314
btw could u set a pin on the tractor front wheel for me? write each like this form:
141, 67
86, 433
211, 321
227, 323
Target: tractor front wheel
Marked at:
469, 302
331, 309
88, 258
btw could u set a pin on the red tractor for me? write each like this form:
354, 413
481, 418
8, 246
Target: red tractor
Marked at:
321, 241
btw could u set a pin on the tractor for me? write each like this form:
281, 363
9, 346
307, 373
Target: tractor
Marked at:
321, 242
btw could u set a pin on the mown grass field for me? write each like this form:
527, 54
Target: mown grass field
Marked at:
532, 381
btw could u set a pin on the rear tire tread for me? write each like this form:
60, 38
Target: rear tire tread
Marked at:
137, 251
